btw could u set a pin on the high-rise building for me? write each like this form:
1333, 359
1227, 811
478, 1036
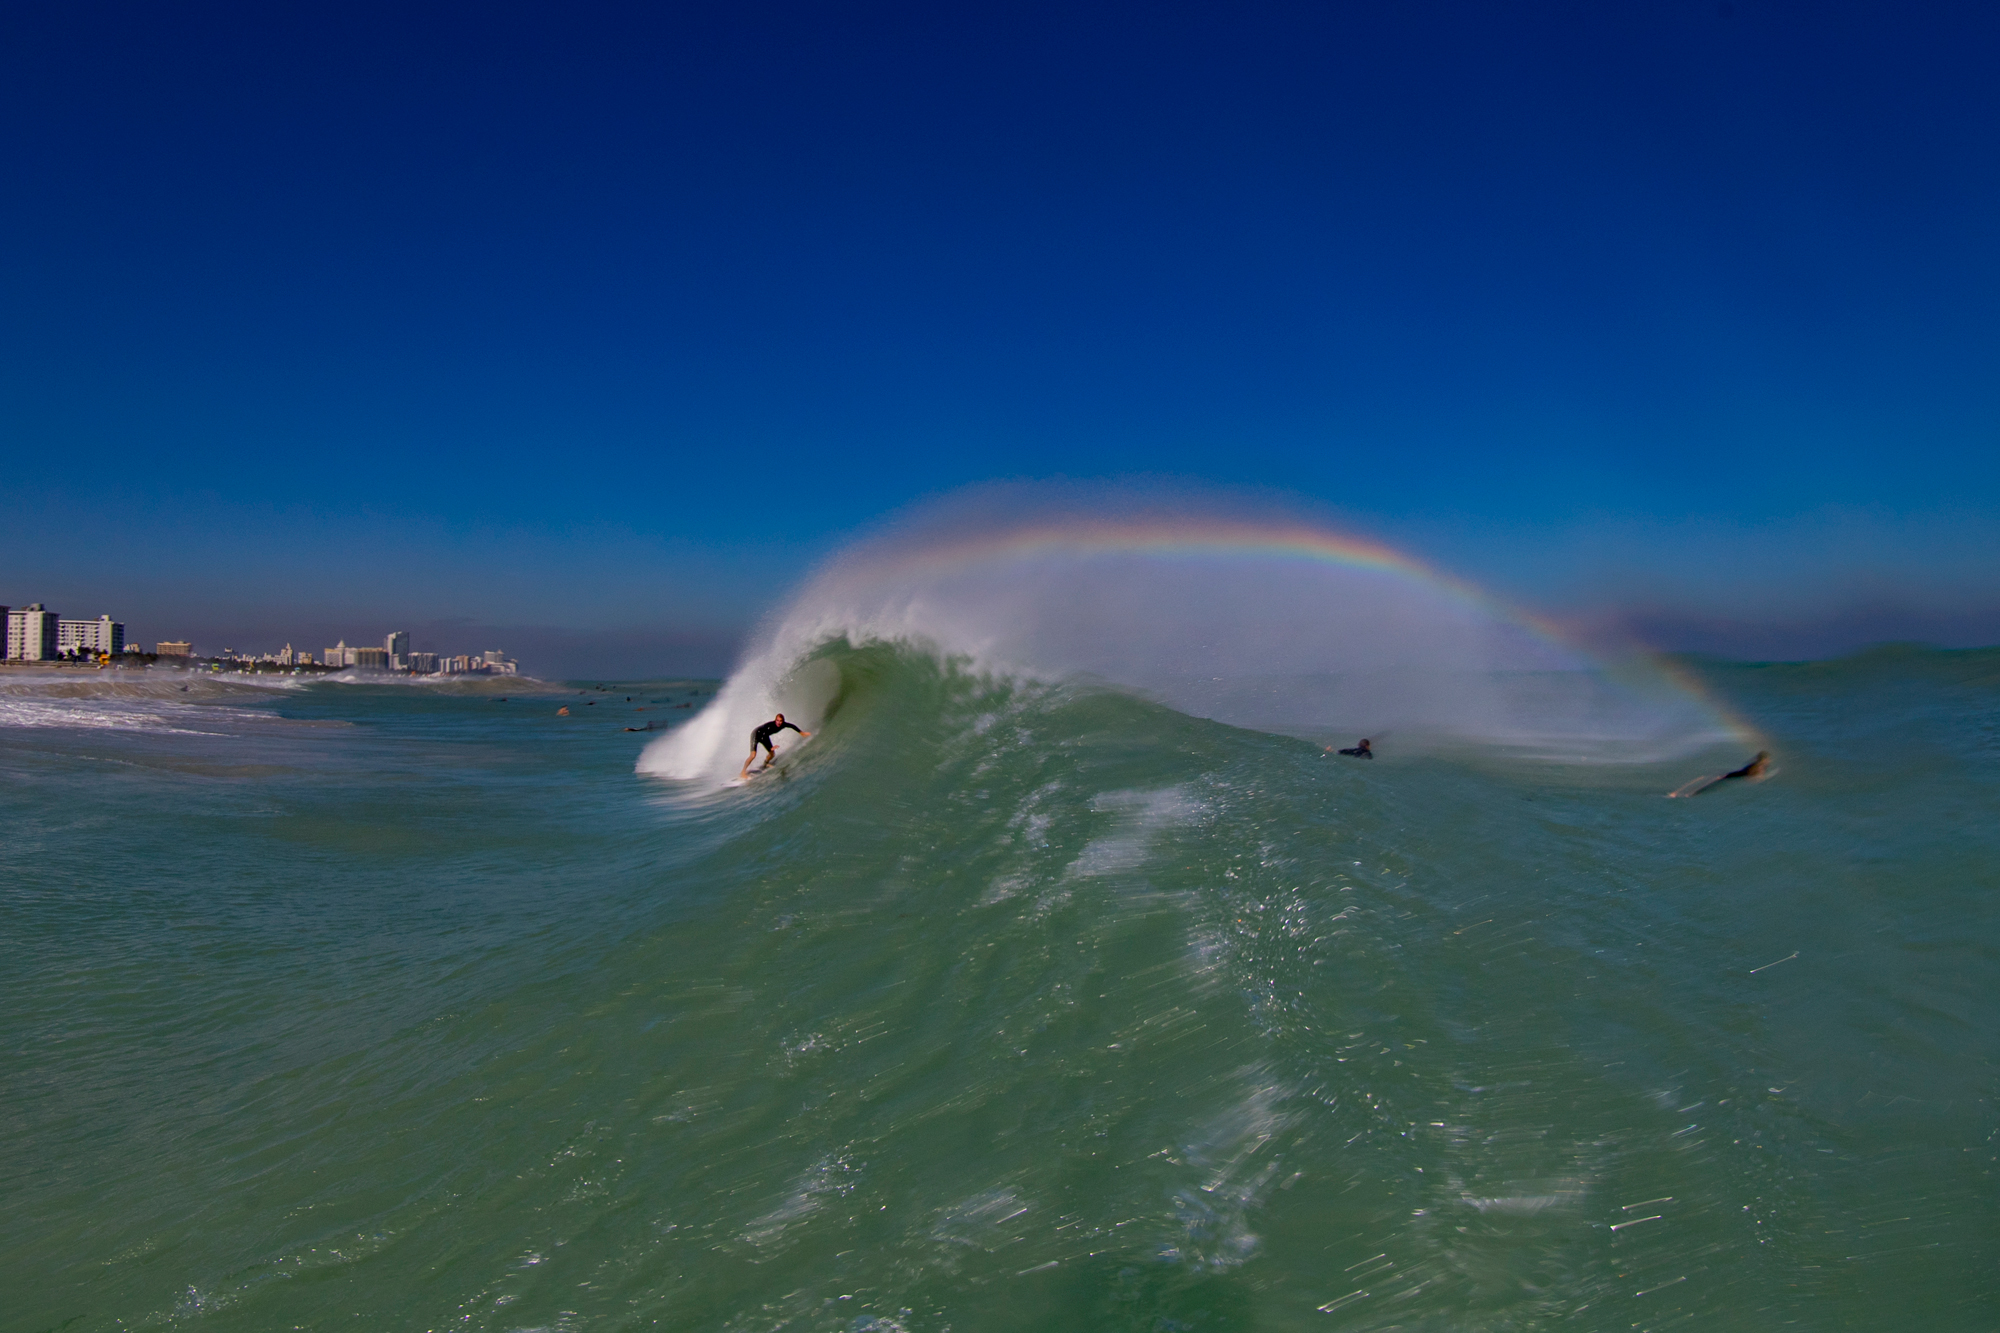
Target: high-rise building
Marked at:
173, 648
102, 635
424, 664
375, 659
397, 644
32, 634
336, 656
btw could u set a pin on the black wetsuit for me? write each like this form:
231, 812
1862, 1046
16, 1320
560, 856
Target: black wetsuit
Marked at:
1360, 753
762, 735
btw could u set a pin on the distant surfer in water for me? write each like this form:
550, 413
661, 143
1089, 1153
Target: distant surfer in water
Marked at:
762, 736
1361, 751
1754, 769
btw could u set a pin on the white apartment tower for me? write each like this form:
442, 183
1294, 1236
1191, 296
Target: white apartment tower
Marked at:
397, 645
32, 634
102, 635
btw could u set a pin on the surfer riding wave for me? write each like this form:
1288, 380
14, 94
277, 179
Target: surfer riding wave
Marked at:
762, 736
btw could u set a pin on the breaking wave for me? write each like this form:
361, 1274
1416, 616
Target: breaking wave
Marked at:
1272, 626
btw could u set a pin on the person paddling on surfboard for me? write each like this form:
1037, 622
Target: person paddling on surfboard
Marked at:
762, 736
1361, 751
1754, 769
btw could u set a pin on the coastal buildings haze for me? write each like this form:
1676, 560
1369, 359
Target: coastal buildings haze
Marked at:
396, 655
34, 633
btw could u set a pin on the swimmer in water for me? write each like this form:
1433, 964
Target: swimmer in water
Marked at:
1754, 769
762, 736
1361, 751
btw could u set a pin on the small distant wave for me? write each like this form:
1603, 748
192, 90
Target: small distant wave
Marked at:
194, 702
78, 714
176, 702
131, 683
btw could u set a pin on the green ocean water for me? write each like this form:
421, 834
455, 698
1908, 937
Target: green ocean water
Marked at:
996, 1007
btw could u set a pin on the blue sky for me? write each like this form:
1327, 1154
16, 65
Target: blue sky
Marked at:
594, 325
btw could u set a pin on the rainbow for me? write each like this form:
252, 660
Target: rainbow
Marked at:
1208, 537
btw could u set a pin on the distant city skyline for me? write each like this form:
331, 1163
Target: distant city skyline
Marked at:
36, 632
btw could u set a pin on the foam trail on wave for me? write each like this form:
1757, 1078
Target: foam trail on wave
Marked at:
1269, 624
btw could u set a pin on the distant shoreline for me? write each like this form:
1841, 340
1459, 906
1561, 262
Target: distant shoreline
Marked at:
211, 666
146, 661
57, 665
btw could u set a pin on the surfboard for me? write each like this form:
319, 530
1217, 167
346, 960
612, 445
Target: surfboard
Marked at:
783, 755
753, 774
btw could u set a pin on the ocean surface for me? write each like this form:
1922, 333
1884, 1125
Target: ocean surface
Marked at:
998, 1005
